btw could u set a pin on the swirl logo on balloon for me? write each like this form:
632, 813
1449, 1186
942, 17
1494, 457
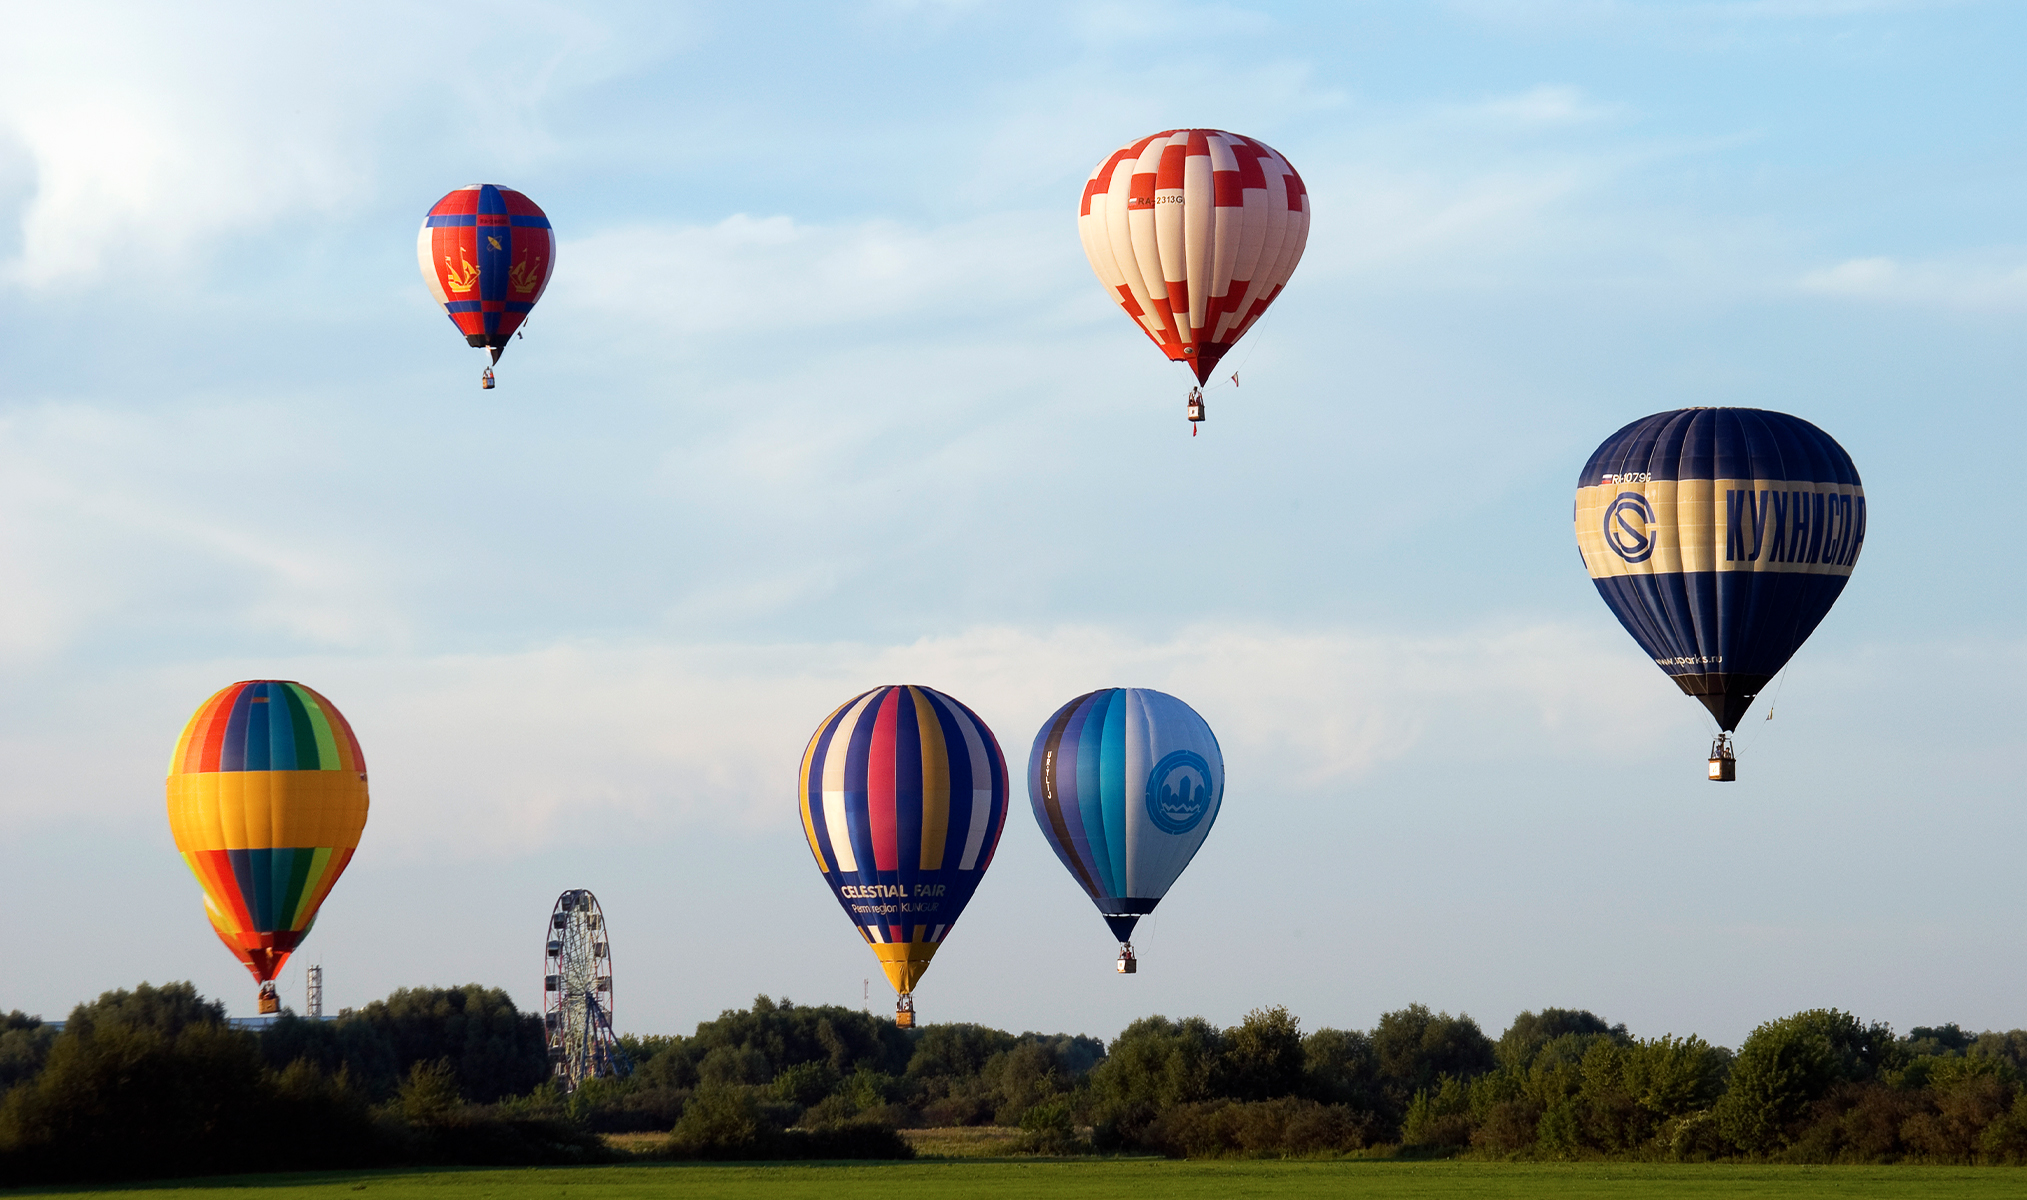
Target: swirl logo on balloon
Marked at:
1633, 545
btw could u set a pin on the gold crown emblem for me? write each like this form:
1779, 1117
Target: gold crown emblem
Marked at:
459, 282
523, 277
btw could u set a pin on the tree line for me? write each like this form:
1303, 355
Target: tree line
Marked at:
153, 1082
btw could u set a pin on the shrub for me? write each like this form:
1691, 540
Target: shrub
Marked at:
1966, 1098
152, 1083
718, 1122
1047, 1128
1507, 1127
1290, 1126
1441, 1117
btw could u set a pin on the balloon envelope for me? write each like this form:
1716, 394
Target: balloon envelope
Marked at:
267, 798
1126, 784
1194, 232
486, 254
1720, 537
903, 795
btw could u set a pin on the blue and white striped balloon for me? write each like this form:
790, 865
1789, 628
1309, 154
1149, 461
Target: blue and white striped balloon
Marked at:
1126, 783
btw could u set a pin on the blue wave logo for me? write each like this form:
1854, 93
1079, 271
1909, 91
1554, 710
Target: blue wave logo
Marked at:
1179, 791
1627, 519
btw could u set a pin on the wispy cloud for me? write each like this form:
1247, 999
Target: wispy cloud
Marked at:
481, 754
774, 274
99, 530
1544, 106
1599, 13
144, 135
1994, 281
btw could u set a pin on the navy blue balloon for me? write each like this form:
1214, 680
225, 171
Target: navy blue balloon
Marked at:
1720, 537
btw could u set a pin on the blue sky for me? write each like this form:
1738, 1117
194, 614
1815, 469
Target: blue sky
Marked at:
824, 396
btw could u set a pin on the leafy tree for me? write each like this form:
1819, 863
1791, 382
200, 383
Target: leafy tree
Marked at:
1263, 1056
1339, 1067
1438, 1116
1531, 1031
153, 1082
2010, 1046
805, 1083
956, 1050
166, 1010
721, 1122
1789, 1064
137, 1082
1672, 1077
495, 1049
1048, 1128
1939, 1040
429, 1097
1414, 1048
1153, 1064
24, 1047
786, 1033
1017, 1079
1968, 1095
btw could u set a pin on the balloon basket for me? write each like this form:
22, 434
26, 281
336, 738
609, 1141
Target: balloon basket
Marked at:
1127, 965
486, 380
270, 1003
1196, 406
904, 1012
1723, 764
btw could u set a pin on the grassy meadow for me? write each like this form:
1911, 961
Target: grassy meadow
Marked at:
1099, 1179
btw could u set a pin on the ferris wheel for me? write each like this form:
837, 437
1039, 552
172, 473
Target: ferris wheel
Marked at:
577, 993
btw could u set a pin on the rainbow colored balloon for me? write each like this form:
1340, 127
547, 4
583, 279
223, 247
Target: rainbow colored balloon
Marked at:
267, 799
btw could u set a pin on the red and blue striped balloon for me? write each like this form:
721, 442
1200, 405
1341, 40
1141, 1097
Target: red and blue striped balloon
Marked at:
903, 798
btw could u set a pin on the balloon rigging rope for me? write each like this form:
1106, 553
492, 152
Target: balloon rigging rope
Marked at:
1775, 702
1227, 379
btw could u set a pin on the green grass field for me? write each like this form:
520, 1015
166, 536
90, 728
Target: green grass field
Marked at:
1018, 1180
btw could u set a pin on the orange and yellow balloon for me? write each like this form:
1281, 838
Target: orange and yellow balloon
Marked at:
267, 798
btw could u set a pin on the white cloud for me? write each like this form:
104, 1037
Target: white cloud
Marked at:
1378, 221
1547, 105
99, 526
1592, 15
769, 275
1109, 23
1994, 281
482, 754
149, 132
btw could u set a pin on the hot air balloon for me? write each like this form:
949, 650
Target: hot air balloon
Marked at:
1126, 784
903, 795
1720, 537
267, 798
486, 253
1194, 232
